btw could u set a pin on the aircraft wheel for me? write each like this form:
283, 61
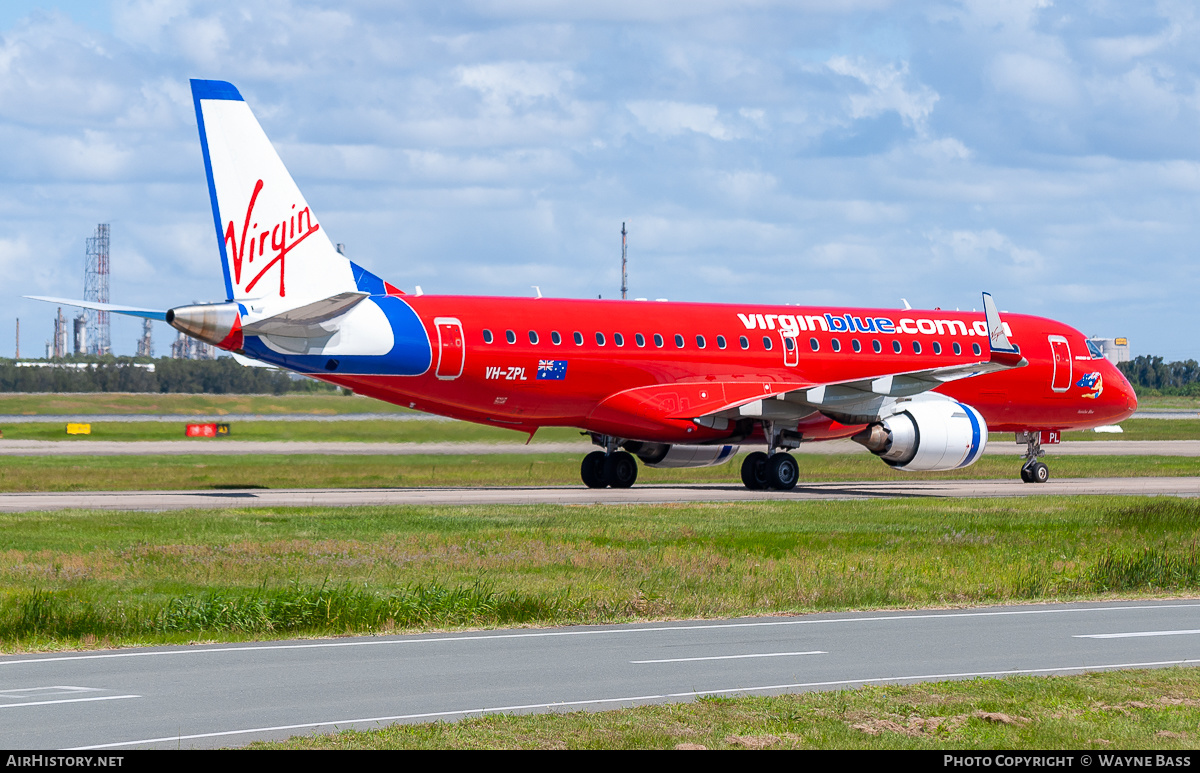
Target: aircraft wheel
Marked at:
1040, 473
1025, 476
783, 472
754, 471
620, 469
592, 470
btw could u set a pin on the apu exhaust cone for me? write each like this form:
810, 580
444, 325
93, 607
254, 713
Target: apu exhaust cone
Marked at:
219, 324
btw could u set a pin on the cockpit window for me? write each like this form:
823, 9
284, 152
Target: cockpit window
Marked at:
1097, 352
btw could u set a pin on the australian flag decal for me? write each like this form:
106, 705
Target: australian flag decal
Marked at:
552, 370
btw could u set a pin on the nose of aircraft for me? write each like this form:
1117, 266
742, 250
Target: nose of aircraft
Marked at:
1126, 391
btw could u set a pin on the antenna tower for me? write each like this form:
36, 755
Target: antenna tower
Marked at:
624, 256
95, 288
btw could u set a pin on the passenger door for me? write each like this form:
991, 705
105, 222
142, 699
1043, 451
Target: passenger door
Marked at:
1061, 380
451, 352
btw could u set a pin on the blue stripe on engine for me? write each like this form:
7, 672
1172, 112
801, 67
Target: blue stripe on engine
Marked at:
974, 436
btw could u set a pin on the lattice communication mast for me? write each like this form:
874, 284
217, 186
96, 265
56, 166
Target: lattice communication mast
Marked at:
95, 288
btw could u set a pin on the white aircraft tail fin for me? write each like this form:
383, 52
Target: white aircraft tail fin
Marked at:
273, 248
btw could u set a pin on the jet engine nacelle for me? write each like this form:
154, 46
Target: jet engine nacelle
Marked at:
664, 455
931, 433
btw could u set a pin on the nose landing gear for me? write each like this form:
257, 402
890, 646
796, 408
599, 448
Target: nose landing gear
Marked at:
1033, 471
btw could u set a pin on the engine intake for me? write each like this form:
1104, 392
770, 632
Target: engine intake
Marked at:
931, 434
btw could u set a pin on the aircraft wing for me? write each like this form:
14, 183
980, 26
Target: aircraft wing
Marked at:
131, 311
863, 400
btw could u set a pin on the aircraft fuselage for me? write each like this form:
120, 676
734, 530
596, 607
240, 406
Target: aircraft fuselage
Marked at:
556, 362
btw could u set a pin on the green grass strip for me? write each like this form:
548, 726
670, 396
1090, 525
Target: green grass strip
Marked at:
1142, 709
117, 473
81, 578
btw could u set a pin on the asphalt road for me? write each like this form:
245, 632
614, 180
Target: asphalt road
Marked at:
186, 418
516, 495
229, 695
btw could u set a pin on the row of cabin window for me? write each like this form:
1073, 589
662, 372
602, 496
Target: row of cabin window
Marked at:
744, 342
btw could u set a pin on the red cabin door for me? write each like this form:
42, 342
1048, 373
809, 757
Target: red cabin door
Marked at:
1061, 381
450, 348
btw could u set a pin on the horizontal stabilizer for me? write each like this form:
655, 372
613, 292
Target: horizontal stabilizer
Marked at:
300, 322
131, 311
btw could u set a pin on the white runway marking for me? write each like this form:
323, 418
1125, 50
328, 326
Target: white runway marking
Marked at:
602, 632
34, 692
634, 698
732, 657
66, 700
1133, 634
26, 694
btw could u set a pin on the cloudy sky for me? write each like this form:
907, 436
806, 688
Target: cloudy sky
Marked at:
812, 152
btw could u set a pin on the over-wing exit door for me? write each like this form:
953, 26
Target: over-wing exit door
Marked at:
791, 353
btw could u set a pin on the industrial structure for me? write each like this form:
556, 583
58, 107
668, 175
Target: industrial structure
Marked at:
95, 288
188, 348
1115, 350
145, 347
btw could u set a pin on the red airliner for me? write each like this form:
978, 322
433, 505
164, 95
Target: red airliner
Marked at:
671, 384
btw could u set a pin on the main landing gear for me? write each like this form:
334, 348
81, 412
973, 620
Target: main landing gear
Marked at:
1033, 471
775, 469
614, 468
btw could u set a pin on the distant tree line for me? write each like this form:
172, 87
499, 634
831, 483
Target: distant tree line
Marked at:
118, 374
1150, 375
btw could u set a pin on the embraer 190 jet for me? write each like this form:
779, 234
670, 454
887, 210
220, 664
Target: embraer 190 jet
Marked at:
669, 384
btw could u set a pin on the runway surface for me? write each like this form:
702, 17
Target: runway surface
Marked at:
227, 447
185, 418
229, 695
579, 495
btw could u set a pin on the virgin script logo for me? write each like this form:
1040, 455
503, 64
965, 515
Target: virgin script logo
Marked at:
284, 236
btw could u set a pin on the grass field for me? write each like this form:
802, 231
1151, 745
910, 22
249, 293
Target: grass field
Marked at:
81, 578
1134, 429
31, 403
434, 430
162, 473
336, 431
50, 403
1157, 709
85, 579
1169, 403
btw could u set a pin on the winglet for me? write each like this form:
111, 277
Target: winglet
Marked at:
1002, 350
